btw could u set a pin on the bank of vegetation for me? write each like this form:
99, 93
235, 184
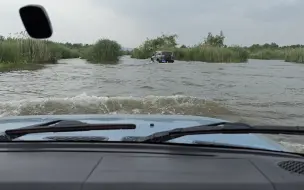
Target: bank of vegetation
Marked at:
272, 51
20, 51
212, 49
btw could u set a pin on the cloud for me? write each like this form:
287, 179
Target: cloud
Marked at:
131, 21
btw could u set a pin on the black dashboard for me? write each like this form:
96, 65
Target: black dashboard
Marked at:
96, 166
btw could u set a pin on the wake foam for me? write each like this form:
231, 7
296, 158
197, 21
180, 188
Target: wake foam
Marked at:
85, 104
297, 147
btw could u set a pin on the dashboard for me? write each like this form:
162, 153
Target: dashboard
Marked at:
134, 166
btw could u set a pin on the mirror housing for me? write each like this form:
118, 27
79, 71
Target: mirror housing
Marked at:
36, 21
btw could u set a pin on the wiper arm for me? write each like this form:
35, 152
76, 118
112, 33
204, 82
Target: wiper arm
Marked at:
61, 126
222, 128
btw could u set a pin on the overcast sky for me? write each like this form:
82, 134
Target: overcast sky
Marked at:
130, 22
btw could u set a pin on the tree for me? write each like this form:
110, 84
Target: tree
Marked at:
217, 40
150, 45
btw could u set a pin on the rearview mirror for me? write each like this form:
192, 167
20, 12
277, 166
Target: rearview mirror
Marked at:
36, 21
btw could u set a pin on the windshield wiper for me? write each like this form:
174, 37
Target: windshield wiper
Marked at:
221, 128
61, 126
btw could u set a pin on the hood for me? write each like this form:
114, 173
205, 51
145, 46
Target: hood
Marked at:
143, 128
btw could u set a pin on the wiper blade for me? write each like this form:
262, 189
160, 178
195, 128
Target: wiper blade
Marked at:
222, 128
62, 126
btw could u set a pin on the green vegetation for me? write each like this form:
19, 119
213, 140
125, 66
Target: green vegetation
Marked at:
267, 54
211, 50
293, 53
267, 51
212, 54
146, 49
103, 51
17, 51
21, 51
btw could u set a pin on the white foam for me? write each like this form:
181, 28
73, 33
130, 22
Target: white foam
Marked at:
84, 103
297, 147
90, 104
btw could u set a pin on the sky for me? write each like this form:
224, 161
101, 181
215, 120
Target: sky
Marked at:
130, 22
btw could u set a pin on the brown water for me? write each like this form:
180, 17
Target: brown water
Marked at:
258, 92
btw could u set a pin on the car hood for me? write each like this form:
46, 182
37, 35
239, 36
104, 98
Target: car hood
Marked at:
143, 128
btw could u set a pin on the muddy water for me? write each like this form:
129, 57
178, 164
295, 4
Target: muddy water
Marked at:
259, 92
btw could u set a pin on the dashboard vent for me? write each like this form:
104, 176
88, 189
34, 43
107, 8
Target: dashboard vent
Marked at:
294, 167
77, 138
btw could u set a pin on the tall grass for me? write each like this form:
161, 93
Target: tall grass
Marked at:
25, 50
268, 54
21, 49
295, 55
212, 54
212, 49
103, 51
202, 53
140, 53
288, 54
15, 50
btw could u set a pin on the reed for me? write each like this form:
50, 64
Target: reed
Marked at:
268, 54
212, 54
295, 55
22, 49
103, 51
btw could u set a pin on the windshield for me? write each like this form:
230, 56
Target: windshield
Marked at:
233, 60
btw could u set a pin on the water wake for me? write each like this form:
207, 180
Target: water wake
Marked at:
85, 104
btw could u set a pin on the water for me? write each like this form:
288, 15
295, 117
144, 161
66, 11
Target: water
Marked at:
257, 92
